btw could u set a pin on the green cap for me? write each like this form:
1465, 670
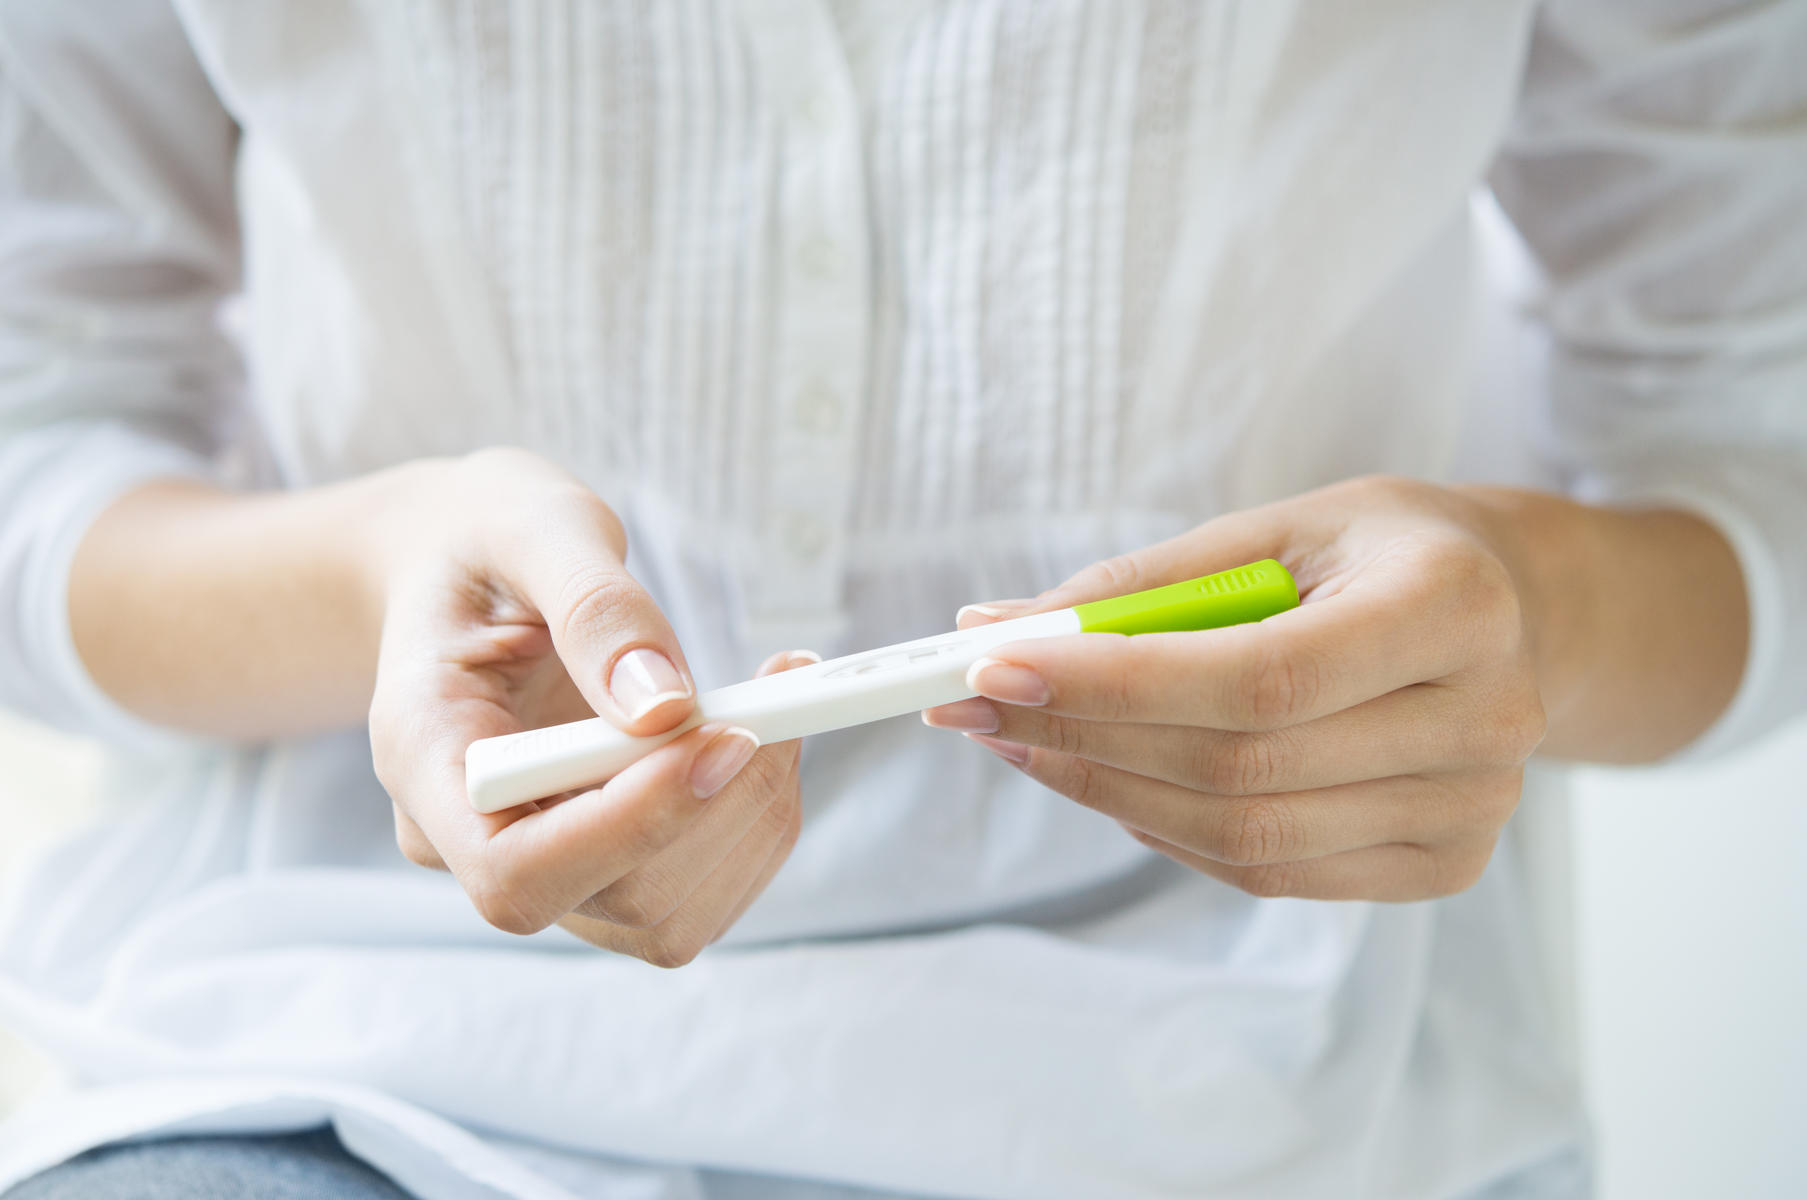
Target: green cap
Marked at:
1227, 598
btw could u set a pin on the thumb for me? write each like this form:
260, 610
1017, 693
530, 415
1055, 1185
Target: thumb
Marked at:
614, 642
1229, 541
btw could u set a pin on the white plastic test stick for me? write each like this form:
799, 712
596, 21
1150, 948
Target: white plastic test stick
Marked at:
501, 772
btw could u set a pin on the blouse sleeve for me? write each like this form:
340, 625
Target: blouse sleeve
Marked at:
1658, 171
117, 247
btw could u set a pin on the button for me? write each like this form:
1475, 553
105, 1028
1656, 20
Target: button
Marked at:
818, 407
810, 111
806, 536
818, 258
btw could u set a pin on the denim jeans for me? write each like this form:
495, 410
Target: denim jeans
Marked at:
311, 1165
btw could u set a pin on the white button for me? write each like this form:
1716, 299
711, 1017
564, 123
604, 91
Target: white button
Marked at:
818, 258
818, 407
806, 536
810, 111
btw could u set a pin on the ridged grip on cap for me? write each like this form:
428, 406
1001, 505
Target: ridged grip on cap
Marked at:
1232, 597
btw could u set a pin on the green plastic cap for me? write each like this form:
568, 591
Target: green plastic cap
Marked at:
1232, 597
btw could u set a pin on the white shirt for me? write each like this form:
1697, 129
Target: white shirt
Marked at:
855, 312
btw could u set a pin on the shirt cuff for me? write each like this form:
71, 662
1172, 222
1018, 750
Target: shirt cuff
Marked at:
115, 460
1754, 707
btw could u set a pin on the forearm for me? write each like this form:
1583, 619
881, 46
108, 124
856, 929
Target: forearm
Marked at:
1638, 621
234, 615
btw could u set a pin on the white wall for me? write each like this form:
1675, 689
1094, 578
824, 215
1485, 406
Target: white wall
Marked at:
1691, 925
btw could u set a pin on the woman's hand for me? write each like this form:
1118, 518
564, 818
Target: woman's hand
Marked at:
1370, 743
507, 607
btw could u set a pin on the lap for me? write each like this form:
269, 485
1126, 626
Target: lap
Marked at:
310, 1165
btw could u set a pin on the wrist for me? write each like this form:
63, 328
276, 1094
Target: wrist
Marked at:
1548, 545
1637, 620
389, 516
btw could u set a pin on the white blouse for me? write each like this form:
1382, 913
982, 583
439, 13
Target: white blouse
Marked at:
855, 311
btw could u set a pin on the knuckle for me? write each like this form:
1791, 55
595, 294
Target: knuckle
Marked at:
768, 770
384, 764
1269, 881
1381, 485
1112, 576
1142, 836
502, 908
780, 815
595, 596
1456, 870
584, 507
1083, 782
386, 758
1243, 765
413, 844
1278, 690
504, 459
643, 830
671, 951
1477, 585
1260, 831
1508, 728
1523, 727
1063, 736
1117, 698
641, 901
1500, 798
793, 827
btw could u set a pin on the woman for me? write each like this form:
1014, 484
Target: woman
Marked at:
805, 324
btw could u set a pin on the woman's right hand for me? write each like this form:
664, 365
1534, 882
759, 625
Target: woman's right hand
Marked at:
507, 607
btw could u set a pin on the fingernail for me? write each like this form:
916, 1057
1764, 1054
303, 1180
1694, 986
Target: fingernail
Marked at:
974, 715
721, 759
643, 679
786, 660
1013, 752
1008, 682
992, 608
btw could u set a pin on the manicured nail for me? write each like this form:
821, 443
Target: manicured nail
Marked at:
1013, 752
643, 679
786, 660
721, 759
1008, 682
992, 609
973, 715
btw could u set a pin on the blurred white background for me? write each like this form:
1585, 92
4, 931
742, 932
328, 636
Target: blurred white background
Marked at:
1690, 919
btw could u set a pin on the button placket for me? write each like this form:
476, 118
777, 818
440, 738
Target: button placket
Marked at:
793, 581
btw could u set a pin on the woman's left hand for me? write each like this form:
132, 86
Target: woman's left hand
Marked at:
1367, 745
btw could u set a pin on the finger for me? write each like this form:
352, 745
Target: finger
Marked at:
1419, 729
1367, 640
610, 634
423, 715
648, 895
1286, 531
1422, 610
793, 825
687, 841
780, 852
415, 846
694, 924
786, 660
970, 615
542, 865
1397, 873
1288, 826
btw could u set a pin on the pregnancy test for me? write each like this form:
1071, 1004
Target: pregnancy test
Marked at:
501, 772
